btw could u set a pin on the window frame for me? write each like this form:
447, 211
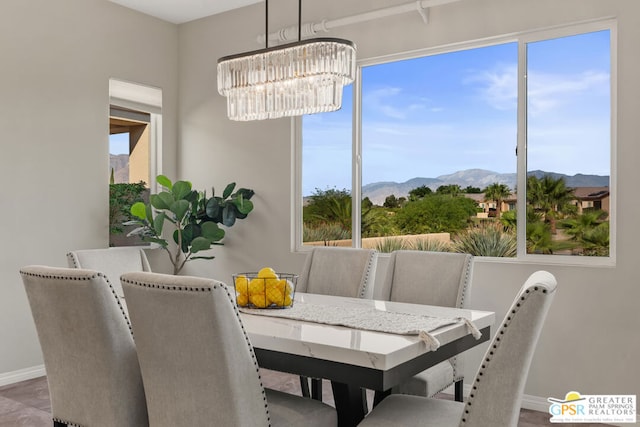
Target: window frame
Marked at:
522, 39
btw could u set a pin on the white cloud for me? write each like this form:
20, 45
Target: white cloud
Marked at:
499, 86
393, 103
546, 91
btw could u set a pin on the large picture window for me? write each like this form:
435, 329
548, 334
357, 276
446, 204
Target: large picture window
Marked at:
499, 149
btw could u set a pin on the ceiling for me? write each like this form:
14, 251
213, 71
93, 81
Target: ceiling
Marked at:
179, 11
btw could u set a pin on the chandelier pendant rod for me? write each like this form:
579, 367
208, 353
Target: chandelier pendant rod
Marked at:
299, 21
266, 23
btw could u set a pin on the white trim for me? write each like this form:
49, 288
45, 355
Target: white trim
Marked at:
309, 29
296, 184
22, 375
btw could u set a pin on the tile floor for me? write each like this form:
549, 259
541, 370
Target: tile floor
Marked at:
26, 404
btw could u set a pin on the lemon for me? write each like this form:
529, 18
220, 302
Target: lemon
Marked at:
259, 301
287, 300
242, 284
257, 286
276, 284
275, 296
267, 273
242, 300
288, 287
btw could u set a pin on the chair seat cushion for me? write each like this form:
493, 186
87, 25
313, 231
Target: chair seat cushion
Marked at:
407, 411
429, 382
289, 410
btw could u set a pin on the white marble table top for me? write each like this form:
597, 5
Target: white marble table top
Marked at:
357, 347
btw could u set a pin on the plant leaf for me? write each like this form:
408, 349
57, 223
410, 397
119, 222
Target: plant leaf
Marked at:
164, 181
181, 189
200, 244
213, 208
139, 210
158, 223
162, 200
180, 209
228, 190
246, 193
161, 242
202, 257
211, 231
243, 206
229, 215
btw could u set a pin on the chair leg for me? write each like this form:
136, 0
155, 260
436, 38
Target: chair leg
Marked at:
458, 391
304, 386
316, 389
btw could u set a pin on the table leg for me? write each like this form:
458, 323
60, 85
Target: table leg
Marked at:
351, 403
379, 396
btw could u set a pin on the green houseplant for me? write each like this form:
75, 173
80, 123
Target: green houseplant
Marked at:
193, 215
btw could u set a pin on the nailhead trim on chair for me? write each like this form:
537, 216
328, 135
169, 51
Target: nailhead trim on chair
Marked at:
68, 423
467, 281
367, 274
235, 309
494, 348
93, 276
73, 260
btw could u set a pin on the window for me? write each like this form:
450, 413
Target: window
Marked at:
442, 143
135, 122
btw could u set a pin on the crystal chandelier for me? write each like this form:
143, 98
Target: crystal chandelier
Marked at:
303, 77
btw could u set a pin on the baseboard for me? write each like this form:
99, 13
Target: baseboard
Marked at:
21, 375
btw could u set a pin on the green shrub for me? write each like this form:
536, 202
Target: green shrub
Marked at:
431, 245
121, 198
390, 244
486, 241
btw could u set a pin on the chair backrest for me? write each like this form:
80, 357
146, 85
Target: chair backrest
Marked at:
425, 277
112, 262
197, 363
347, 272
89, 354
497, 390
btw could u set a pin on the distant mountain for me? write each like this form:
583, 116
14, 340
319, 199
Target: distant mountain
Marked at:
120, 165
377, 192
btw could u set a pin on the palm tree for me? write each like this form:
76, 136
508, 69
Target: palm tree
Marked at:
583, 224
550, 196
497, 192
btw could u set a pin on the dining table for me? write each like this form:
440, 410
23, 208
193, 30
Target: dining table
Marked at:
360, 344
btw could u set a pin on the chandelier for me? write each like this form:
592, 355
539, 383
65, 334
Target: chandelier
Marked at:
303, 77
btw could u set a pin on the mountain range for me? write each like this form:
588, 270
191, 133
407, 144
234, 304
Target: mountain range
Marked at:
377, 192
119, 163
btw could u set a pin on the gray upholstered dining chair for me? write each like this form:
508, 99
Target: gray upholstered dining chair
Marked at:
496, 393
89, 354
431, 278
110, 261
197, 363
340, 271
332, 270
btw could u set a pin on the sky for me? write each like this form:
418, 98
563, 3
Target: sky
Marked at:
119, 143
436, 115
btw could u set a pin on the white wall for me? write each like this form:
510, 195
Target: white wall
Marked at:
57, 58
591, 341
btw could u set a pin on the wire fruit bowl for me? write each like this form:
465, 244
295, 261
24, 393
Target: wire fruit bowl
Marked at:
254, 290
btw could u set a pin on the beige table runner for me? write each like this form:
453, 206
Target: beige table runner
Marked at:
368, 318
